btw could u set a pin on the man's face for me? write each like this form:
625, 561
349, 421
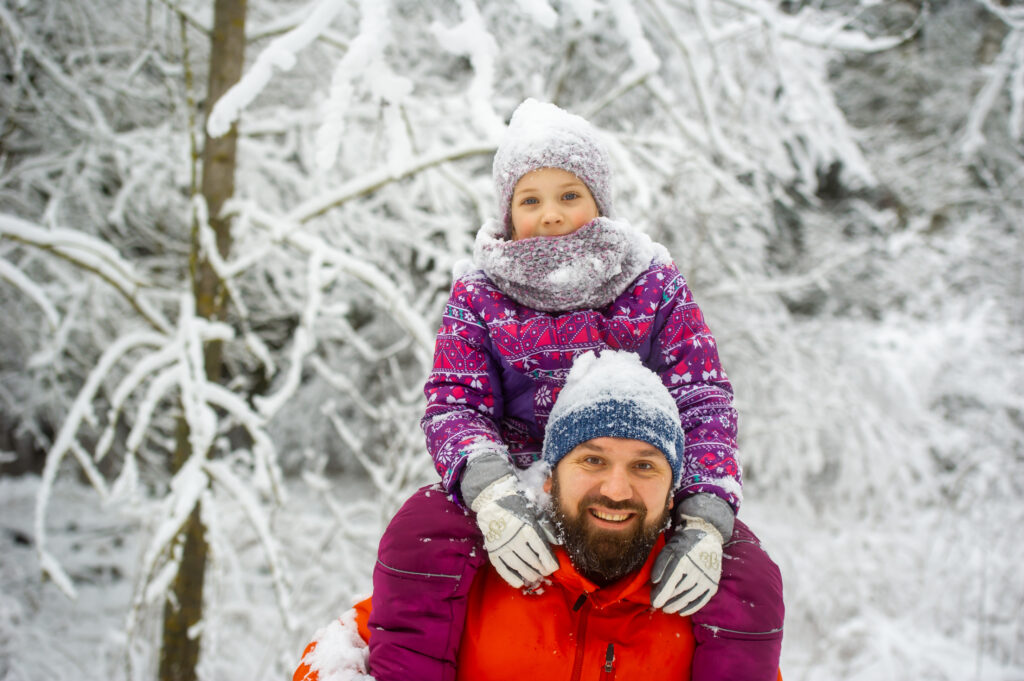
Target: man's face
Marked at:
611, 500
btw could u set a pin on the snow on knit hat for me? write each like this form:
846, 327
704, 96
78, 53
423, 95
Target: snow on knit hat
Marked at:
614, 395
541, 135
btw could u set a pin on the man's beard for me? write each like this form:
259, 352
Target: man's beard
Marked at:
604, 556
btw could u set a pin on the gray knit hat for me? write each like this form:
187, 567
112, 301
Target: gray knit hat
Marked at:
541, 135
614, 395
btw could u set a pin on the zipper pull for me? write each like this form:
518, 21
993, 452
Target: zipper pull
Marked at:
609, 658
579, 602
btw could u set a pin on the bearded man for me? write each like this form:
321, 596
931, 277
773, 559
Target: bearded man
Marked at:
613, 448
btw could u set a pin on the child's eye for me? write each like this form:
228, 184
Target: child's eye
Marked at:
529, 201
570, 196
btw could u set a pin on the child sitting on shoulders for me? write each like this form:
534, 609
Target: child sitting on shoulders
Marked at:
555, 276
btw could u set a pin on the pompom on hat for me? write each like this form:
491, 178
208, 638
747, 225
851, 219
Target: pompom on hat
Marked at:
614, 395
541, 135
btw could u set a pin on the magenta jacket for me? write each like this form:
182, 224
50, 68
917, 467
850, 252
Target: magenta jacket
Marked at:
498, 367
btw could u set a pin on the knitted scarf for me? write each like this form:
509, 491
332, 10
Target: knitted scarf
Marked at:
586, 269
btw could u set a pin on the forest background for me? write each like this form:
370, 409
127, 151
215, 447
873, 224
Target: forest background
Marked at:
227, 231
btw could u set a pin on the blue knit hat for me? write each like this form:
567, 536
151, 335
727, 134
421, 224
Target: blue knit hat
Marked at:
614, 395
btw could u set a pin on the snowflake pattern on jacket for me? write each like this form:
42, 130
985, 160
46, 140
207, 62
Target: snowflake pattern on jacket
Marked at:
498, 368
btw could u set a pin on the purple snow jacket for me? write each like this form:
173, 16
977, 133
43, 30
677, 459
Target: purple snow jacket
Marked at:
498, 367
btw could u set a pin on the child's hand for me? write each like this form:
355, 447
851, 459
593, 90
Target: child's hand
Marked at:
687, 570
516, 535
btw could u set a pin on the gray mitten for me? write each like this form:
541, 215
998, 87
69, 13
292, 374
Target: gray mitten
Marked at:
516, 532
687, 570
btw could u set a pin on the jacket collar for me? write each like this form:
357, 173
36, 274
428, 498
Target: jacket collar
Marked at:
634, 587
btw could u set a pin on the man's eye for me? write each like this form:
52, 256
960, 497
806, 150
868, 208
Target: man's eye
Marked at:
645, 466
593, 460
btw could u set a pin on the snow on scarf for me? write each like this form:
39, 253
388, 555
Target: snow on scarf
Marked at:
584, 270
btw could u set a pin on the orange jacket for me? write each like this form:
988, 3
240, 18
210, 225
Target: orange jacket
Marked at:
567, 629
572, 630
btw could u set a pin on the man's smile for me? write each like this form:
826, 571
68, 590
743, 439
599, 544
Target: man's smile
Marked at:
611, 517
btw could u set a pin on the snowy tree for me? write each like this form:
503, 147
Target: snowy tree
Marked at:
839, 182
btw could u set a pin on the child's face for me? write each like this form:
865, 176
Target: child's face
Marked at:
550, 202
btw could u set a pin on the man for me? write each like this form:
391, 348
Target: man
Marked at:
613, 446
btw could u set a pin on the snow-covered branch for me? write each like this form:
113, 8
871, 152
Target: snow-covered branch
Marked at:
862, 279
368, 183
89, 254
1008, 66
279, 55
222, 474
23, 283
97, 123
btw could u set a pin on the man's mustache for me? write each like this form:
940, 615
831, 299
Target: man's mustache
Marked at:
612, 505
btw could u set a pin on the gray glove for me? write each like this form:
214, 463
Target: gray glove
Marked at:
516, 532
687, 570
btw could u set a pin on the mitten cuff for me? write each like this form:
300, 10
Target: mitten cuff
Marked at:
710, 508
480, 472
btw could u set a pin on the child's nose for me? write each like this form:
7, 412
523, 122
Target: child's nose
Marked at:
552, 217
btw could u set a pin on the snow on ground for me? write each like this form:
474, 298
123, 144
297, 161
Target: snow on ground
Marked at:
44, 635
870, 601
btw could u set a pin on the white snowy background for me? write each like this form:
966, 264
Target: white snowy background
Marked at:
841, 181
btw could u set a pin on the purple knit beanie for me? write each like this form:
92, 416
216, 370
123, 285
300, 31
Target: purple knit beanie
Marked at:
541, 135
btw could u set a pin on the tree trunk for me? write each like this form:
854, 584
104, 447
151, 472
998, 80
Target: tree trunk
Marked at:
183, 609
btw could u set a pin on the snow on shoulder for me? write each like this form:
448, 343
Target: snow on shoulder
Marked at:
340, 654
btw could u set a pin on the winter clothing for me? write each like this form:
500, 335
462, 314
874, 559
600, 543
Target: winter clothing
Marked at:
421, 599
736, 642
517, 535
570, 628
425, 566
511, 331
613, 395
498, 367
541, 135
739, 631
687, 574
586, 269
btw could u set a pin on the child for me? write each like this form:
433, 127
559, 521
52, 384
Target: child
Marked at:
557, 276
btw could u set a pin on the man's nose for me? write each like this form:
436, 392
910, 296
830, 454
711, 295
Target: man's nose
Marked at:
616, 486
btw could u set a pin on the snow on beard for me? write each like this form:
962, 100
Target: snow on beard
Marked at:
604, 556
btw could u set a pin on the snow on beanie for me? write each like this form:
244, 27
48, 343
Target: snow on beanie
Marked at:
614, 395
541, 135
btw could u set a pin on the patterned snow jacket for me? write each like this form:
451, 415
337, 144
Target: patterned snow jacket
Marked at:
498, 367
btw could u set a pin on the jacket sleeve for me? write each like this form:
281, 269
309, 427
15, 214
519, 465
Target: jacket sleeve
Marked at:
685, 355
464, 401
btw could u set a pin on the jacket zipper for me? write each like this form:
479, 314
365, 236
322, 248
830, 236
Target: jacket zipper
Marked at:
582, 606
608, 670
